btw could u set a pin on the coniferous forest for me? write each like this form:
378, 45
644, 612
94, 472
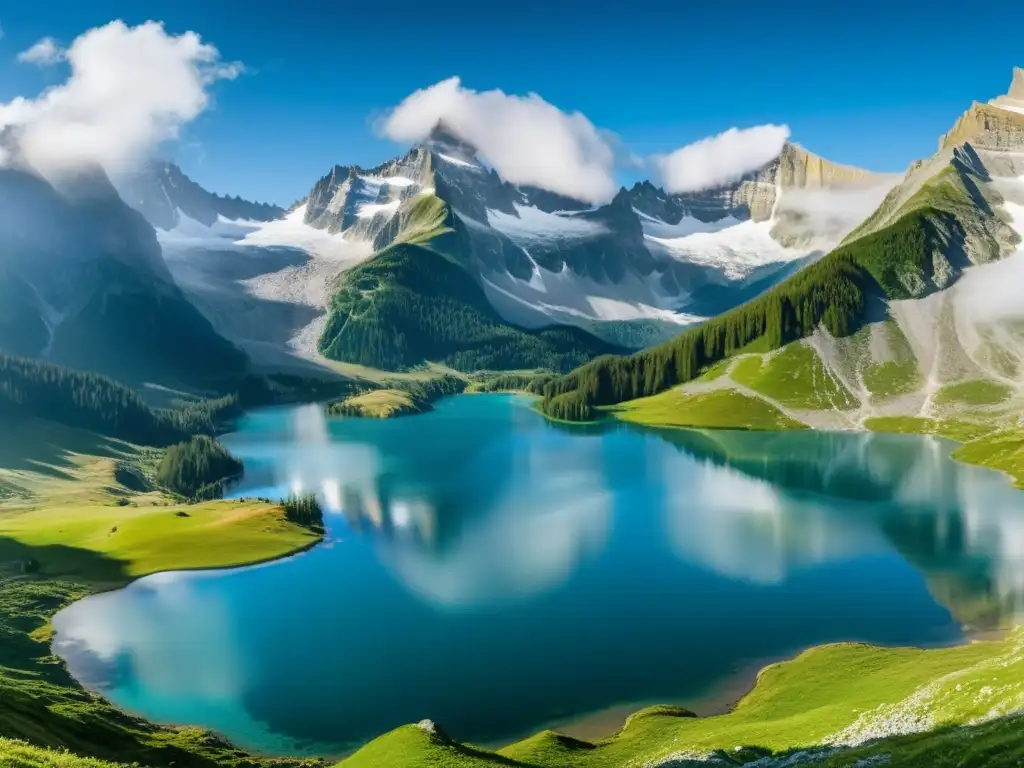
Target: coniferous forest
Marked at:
94, 402
31, 388
201, 464
410, 304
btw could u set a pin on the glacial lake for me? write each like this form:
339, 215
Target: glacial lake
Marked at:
498, 574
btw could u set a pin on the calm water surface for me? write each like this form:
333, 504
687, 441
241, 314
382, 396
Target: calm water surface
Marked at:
497, 573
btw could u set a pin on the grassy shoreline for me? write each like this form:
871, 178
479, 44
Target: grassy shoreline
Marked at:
71, 531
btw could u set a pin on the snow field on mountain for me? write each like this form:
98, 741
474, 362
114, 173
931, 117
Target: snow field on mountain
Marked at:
264, 285
735, 250
533, 224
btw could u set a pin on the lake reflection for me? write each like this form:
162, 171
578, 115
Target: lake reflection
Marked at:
497, 573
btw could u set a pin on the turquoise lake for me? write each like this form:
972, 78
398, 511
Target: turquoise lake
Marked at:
498, 574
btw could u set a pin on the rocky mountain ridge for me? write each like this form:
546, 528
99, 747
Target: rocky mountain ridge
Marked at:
627, 270
162, 193
997, 125
755, 195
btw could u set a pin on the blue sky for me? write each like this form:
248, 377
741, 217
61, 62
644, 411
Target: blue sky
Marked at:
867, 84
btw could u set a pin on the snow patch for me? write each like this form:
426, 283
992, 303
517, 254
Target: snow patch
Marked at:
734, 250
293, 232
459, 162
533, 224
265, 285
1019, 110
566, 297
391, 181
369, 210
190, 231
686, 226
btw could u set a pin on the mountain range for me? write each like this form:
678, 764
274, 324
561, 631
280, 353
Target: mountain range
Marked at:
432, 256
530, 274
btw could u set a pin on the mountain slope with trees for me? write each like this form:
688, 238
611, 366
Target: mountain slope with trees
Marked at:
916, 244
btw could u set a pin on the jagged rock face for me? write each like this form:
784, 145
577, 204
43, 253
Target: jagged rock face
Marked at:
603, 244
544, 258
798, 168
162, 193
998, 125
657, 203
1014, 98
362, 203
1017, 84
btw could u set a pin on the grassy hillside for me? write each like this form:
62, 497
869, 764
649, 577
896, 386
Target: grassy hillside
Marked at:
414, 301
70, 526
718, 409
918, 252
833, 705
838, 384
380, 404
399, 397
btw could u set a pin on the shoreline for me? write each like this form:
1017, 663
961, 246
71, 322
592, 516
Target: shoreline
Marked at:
720, 697
45, 635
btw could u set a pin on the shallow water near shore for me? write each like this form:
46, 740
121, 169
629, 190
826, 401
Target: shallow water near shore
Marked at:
498, 573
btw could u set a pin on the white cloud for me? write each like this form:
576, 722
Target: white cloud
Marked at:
44, 53
129, 89
721, 159
526, 139
822, 217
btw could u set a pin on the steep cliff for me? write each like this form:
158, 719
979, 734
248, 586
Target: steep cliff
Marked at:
987, 126
998, 125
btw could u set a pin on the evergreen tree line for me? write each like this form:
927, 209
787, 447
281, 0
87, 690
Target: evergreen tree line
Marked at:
96, 403
429, 390
534, 383
304, 510
834, 292
197, 469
